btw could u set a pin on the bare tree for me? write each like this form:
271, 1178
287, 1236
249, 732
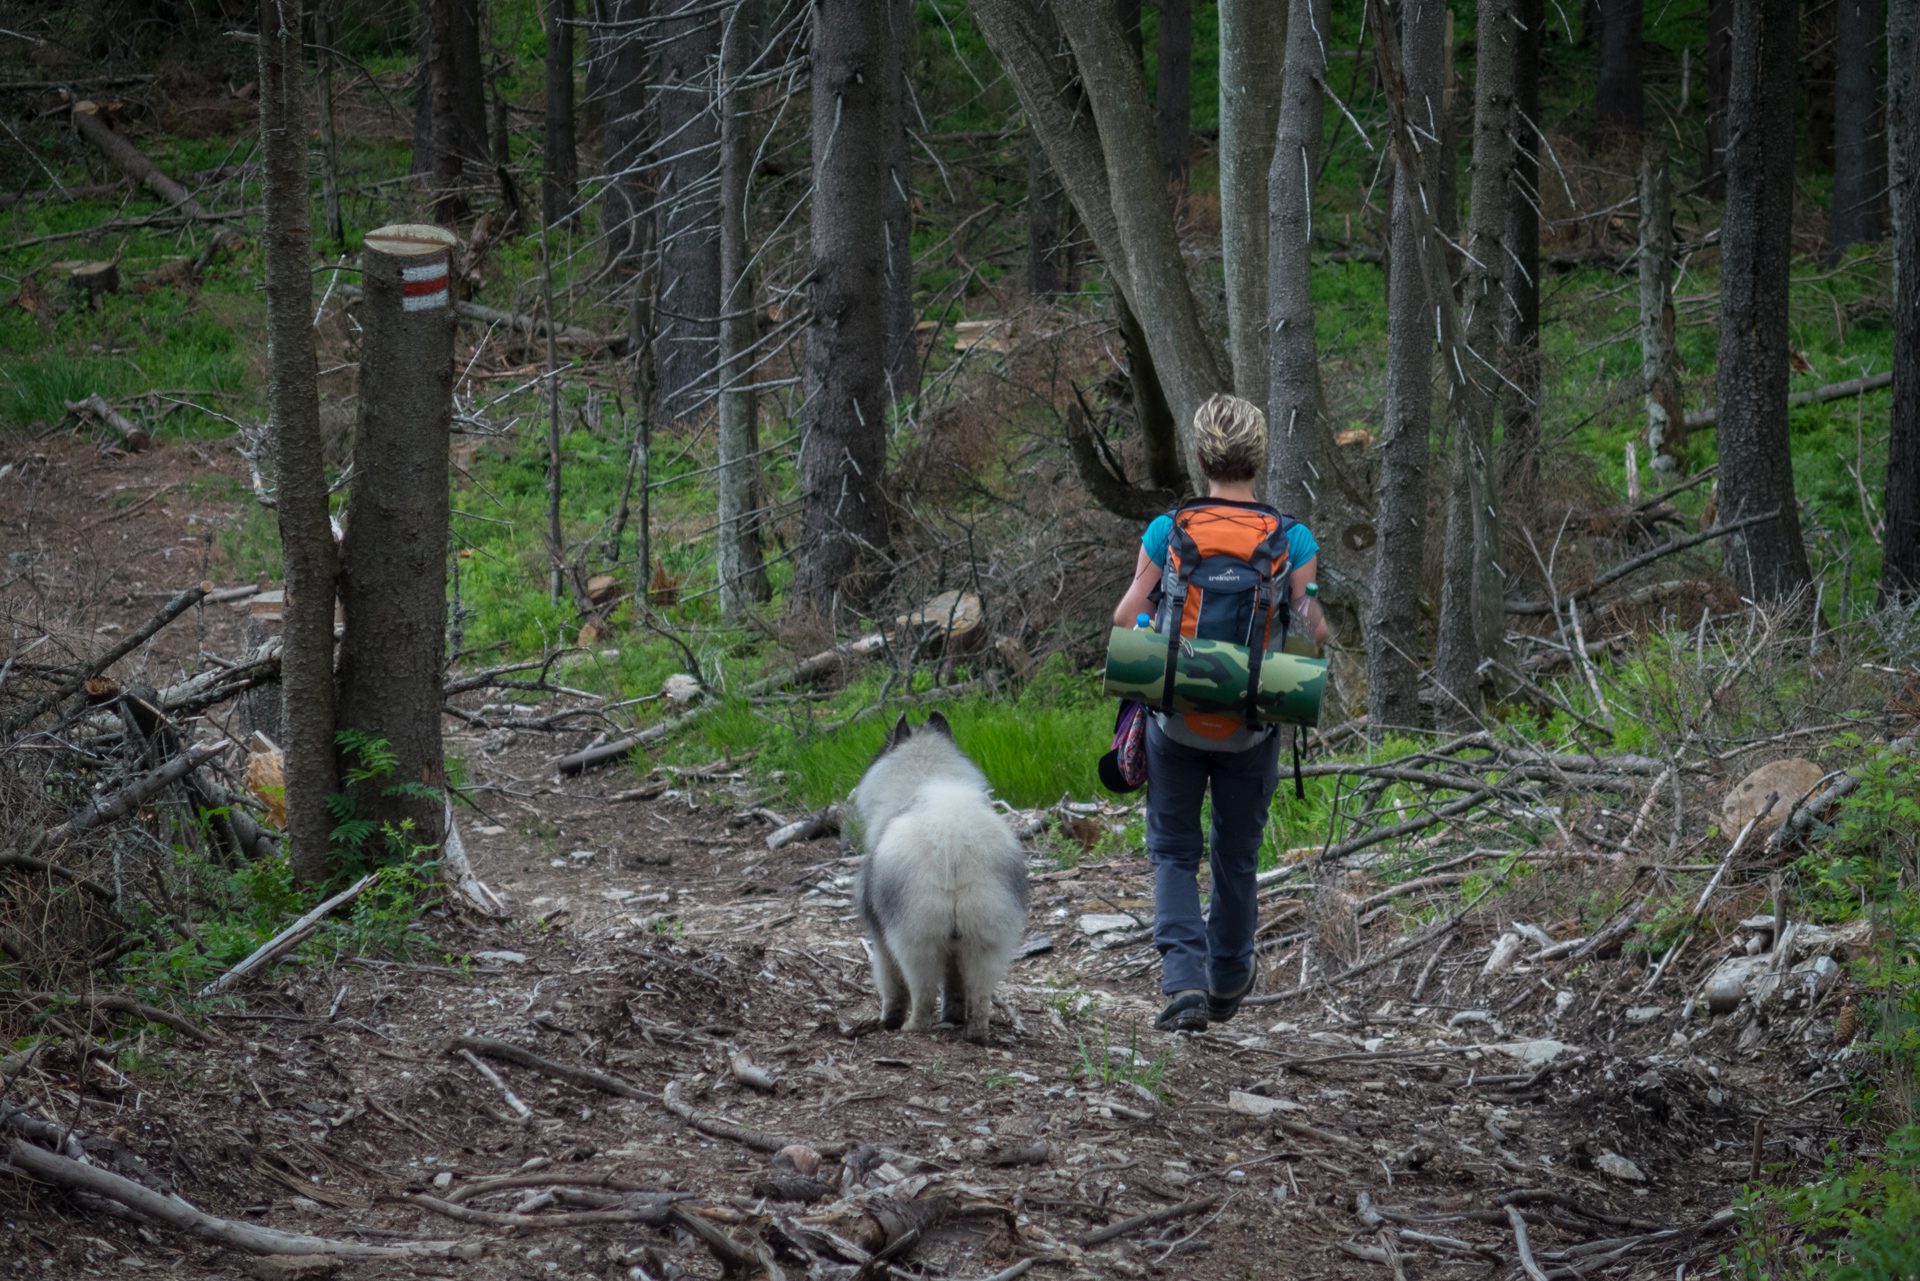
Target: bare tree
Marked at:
1900, 560
1859, 145
1659, 361
293, 400
560, 176
1620, 103
903, 364
689, 140
743, 574
843, 447
1253, 40
329, 143
1765, 561
624, 137
1719, 76
1173, 90
1520, 443
1472, 597
1400, 520
1293, 409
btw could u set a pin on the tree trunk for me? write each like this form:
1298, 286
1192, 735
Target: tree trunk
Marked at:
1127, 12
1859, 147
1253, 40
560, 174
1766, 561
421, 84
1659, 362
1620, 104
689, 246
1400, 520
1049, 247
903, 358
329, 144
1520, 443
1159, 434
1173, 90
469, 86
393, 581
625, 197
743, 574
1293, 410
293, 400
1473, 596
1719, 75
1446, 205
449, 201
1900, 559
640, 333
843, 449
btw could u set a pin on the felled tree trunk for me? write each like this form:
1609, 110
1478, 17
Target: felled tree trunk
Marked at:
1293, 407
293, 399
1253, 41
1659, 363
130, 161
393, 580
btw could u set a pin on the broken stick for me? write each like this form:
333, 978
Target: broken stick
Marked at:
132, 434
1147, 1220
288, 939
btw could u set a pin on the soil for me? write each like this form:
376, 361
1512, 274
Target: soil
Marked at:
653, 940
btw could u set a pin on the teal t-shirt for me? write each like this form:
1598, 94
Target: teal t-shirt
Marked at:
1301, 545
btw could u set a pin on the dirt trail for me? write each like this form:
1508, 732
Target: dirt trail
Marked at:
1349, 1132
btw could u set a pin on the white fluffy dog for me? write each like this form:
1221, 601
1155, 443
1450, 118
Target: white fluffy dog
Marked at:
943, 890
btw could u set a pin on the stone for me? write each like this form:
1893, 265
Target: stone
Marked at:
1097, 923
1645, 1013
1612, 1163
501, 958
1533, 1054
1259, 1104
1793, 779
292, 1267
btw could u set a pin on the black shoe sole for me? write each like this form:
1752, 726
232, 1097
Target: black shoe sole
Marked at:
1221, 1008
1192, 1018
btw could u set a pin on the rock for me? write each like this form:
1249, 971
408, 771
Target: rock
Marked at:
580, 858
1733, 980
1619, 1167
1259, 1104
292, 1267
682, 691
1036, 945
1097, 923
1793, 779
1506, 950
1645, 1013
1533, 1054
443, 1180
489, 829
501, 958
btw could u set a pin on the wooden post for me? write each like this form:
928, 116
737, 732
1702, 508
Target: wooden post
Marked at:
394, 584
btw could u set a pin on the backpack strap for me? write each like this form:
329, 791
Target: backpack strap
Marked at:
1273, 553
1182, 553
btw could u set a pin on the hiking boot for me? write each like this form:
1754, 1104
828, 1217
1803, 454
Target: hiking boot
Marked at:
1222, 1006
1186, 1012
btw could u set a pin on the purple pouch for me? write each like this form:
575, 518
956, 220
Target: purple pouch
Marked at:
1125, 767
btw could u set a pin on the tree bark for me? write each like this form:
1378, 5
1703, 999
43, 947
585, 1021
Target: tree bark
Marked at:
393, 582
1253, 41
1719, 76
689, 246
1659, 362
903, 359
329, 144
443, 117
293, 400
743, 573
560, 172
1859, 146
843, 447
1520, 443
1400, 520
470, 85
625, 197
1293, 408
1127, 12
1620, 104
1159, 434
1766, 561
1473, 596
1049, 247
1173, 90
1900, 558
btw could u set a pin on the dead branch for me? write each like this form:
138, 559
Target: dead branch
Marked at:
288, 939
819, 823
1805, 813
113, 1003
1147, 1220
584, 1077
1641, 562
131, 433
179, 605
650, 1214
532, 326
132, 162
733, 1257
723, 1129
197, 693
520, 1110
820, 664
25, 861
555, 1178
175, 1212
582, 761
1533, 1270
123, 802
1819, 395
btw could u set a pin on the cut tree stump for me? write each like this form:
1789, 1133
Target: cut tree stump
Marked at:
94, 279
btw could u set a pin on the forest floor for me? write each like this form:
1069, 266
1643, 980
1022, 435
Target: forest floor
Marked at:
656, 939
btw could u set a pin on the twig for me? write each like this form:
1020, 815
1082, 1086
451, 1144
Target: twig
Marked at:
650, 1214
758, 1140
116, 1004
585, 1077
123, 802
179, 605
491, 1077
1147, 1220
1533, 1270
288, 939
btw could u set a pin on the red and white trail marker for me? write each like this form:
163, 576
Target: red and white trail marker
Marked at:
424, 287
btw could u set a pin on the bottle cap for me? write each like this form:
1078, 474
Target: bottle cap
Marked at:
1313, 589
1144, 620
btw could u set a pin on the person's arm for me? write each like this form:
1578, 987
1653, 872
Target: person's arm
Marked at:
1305, 606
1146, 575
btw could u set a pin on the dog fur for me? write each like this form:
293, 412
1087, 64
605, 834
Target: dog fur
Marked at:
943, 889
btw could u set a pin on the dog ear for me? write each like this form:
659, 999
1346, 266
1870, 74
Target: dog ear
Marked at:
901, 732
938, 724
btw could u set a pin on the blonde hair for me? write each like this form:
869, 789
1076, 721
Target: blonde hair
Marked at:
1230, 437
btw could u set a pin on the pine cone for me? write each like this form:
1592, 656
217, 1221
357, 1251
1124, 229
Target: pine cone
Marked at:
1847, 1026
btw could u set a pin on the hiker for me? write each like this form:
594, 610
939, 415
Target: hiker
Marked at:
1207, 961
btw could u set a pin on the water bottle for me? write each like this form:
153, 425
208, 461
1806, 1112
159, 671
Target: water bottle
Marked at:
1143, 623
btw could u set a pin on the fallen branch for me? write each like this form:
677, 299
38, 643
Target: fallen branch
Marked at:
732, 1255
820, 664
105, 809
25, 861
1819, 395
520, 1110
288, 939
131, 161
723, 1129
1533, 1270
584, 1077
582, 761
555, 1178
649, 1214
113, 1003
199, 692
179, 605
174, 1212
819, 823
1641, 562
1147, 1220
134, 435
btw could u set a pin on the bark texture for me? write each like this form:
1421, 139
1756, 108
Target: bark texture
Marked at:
1173, 90
1620, 105
689, 244
450, 108
560, 174
1719, 76
1293, 409
843, 448
903, 361
1859, 145
1765, 561
1659, 361
625, 198
1393, 622
1900, 561
1253, 43
1049, 248
743, 575
1473, 596
1159, 434
393, 581
1520, 443
293, 400
329, 143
